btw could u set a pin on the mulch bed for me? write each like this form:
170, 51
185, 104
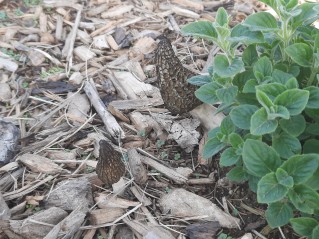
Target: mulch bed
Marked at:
77, 72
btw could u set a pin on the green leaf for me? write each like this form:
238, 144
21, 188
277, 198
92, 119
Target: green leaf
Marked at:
295, 100
308, 15
241, 78
250, 86
311, 146
281, 76
212, 147
301, 167
213, 133
225, 69
261, 21
201, 29
227, 95
293, 126
242, 34
313, 181
315, 232
241, 115
313, 102
269, 190
278, 111
283, 178
272, 89
252, 182
222, 17
235, 140
250, 55
291, 4
278, 214
223, 32
286, 145
292, 83
264, 100
260, 125
237, 174
304, 225
229, 157
259, 158
304, 198
312, 113
227, 127
207, 93
300, 53
312, 129
200, 80
263, 66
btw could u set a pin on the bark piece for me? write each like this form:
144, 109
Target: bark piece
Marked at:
136, 104
138, 170
117, 11
5, 212
78, 108
8, 64
182, 131
205, 230
206, 114
84, 53
181, 203
69, 225
148, 231
35, 227
39, 164
170, 173
135, 68
141, 197
100, 216
5, 92
9, 136
107, 201
69, 194
133, 88
100, 42
140, 122
109, 121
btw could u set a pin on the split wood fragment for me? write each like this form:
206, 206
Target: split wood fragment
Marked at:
109, 121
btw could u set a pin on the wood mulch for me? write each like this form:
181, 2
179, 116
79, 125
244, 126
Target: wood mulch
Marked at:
77, 72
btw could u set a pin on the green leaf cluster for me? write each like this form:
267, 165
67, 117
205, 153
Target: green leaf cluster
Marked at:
269, 93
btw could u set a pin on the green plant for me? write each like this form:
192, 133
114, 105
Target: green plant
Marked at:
177, 156
51, 71
11, 53
224, 236
270, 96
30, 3
3, 15
159, 143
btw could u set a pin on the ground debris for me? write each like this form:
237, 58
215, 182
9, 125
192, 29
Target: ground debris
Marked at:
74, 73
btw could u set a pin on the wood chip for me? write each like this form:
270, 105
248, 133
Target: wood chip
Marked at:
117, 11
39, 164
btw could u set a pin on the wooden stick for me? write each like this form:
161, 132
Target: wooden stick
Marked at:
69, 44
109, 121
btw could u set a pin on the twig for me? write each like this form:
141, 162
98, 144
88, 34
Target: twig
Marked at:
109, 121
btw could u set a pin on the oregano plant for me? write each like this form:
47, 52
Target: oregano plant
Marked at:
266, 80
